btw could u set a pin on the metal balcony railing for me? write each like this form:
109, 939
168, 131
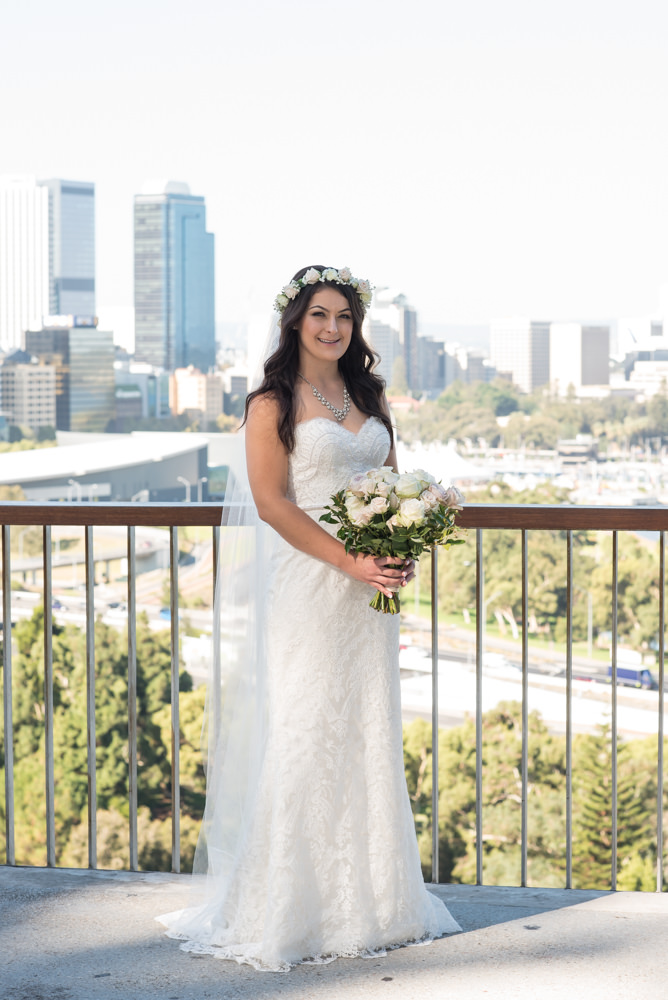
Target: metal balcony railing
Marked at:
477, 518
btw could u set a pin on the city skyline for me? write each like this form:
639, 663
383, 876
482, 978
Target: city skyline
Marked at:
487, 160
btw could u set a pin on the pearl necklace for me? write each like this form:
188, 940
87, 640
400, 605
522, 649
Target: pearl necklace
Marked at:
339, 414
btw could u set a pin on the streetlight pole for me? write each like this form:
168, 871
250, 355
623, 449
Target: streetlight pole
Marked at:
187, 485
77, 487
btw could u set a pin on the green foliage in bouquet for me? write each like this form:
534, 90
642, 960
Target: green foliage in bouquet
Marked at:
383, 514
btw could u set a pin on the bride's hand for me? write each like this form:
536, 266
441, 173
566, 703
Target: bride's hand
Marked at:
382, 572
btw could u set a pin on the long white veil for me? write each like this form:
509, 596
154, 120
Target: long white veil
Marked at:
235, 722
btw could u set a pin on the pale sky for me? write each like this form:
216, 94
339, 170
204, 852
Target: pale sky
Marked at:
487, 157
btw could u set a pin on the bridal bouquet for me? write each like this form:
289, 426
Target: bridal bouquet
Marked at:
384, 514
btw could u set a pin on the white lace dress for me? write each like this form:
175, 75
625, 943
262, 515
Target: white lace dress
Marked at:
331, 865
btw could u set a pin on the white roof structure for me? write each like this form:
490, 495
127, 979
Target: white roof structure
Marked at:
97, 457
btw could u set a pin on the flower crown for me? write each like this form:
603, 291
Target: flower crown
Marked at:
312, 276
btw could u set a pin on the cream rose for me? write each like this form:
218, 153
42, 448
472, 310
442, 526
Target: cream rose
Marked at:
430, 501
453, 498
407, 487
355, 485
379, 505
393, 500
354, 505
411, 512
330, 274
360, 518
291, 290
311, 276
345, 274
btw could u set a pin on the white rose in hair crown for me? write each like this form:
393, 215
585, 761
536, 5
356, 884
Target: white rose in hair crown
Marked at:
381, 513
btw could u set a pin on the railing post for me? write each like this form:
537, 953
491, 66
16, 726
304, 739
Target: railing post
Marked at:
659, 766
132, 700
48, 699
525, 708
479, 653
174, 615
90, 698
613, 734
7, 693
434, 716
569, 709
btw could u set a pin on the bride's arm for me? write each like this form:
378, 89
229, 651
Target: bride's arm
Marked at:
267, 462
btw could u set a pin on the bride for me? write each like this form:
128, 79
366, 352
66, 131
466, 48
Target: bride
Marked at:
308, 838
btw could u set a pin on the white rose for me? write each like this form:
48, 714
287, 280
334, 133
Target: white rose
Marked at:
379, 505
367, 486
411, 512
424, 477
393, 501
363, 287
389, 475
311, 276
330, 274
291, 290
393, 522
383, 489
407, 486
354, 505
345, 274
282, 301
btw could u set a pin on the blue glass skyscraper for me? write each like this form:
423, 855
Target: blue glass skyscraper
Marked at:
72, 212
174, 282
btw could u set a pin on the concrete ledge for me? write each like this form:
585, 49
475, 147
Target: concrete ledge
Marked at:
79, 935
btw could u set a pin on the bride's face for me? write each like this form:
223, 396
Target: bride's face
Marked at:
326, 327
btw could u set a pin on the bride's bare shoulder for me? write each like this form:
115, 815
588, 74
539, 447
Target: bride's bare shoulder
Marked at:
263, 416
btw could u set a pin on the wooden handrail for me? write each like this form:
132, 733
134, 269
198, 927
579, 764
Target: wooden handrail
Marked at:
540, 517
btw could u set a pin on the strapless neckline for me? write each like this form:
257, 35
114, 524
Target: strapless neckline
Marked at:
335, 423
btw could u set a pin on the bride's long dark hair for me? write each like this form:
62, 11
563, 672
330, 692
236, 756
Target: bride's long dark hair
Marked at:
356, 366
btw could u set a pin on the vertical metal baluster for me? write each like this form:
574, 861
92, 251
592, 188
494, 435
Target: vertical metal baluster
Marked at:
132, 699
569, 709
525, 706
48, 699
659, 766
613, 735
215, 636
434, 714
7, 693
90, 697
479, 635
174, 613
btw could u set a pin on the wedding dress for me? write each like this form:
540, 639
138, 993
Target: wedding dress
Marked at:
329, 865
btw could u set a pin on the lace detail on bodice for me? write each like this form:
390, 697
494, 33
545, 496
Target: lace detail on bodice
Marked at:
326, 455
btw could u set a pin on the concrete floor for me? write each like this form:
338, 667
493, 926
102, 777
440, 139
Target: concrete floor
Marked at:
79, 935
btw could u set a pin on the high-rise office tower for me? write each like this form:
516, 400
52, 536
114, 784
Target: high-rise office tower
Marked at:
47, 252
520, 348
392, 331
174, 283
83, 357
579, 356
72, 206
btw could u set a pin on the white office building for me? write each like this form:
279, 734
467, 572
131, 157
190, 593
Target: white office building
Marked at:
520, 350
26, 263
579, 356
47, 253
